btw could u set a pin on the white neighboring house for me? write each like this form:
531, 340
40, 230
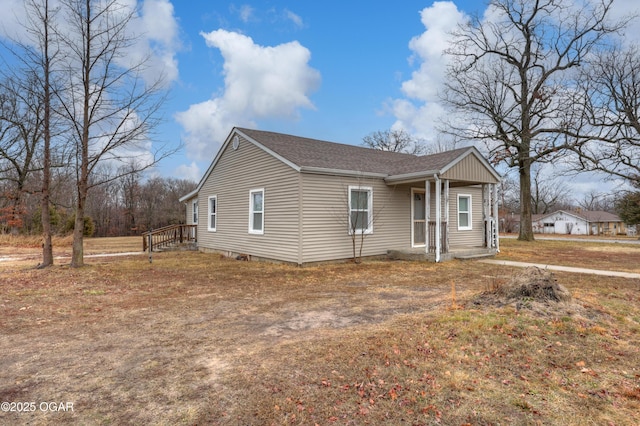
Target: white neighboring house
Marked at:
584, 222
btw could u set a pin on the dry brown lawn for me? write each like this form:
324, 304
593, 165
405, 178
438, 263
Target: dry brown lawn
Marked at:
193, 338
605, 255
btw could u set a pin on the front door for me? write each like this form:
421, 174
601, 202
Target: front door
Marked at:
418, 219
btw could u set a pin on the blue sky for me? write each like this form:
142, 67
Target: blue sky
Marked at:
332, 70
360, 54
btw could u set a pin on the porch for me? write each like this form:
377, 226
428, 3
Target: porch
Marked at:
451, 219
427, 252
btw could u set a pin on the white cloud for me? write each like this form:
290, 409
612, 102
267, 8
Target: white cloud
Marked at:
160, 35
623, 9
12, 19
296, 19
261, 82
188, 171
154, 28
245, 12
419, 112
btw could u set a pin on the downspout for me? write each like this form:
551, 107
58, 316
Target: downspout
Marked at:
438, 216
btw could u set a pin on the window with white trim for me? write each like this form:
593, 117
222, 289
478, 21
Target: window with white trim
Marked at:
464, 212
360, 210
213, 213
194, 207
256, 211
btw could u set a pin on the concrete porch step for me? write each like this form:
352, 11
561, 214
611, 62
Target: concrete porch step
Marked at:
472, 256
467, 253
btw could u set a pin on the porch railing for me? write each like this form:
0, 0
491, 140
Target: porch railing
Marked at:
491, 233
444, 246
168, 235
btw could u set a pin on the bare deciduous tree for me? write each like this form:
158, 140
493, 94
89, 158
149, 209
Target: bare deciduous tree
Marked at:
21, 115
595, 200
40, 57
512, 76
108, 105
548, 193
394, 141
611, 92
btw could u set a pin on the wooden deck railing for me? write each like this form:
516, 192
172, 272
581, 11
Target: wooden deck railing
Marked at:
444, 246
167, 235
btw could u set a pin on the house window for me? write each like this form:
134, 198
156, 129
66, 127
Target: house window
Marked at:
256, 211
213, 213
195, 212
360, 210
464, 212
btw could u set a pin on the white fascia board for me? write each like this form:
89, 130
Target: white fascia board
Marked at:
270, 152
211, 166
227, 141
190, 195
473, 151
412, 177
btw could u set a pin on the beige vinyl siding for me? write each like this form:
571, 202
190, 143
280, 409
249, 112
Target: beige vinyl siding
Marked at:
470, 169
325, 209
189, 205
236, 173
466, 238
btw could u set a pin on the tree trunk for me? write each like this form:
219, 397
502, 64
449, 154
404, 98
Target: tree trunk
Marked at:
15, 219
77, 253
77, 249
526, 226
47, 247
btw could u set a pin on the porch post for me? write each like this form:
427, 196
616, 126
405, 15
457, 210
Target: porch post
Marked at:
486, 212
427, 214
496, 216
446, 216
438, 191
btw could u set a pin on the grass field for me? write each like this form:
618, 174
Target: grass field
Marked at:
194, 338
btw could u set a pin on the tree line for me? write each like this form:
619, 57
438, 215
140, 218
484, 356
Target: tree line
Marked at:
128, 205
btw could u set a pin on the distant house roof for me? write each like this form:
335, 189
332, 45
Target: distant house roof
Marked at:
590, 216
313, 155
599, 216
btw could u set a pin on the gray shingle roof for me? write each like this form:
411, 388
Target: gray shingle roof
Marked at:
306, 152
599, 216
322, 156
